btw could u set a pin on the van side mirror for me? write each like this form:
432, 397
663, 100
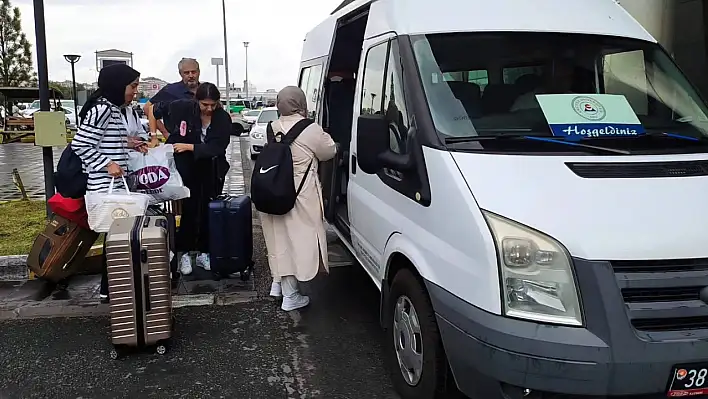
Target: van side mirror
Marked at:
373, 146
371, 142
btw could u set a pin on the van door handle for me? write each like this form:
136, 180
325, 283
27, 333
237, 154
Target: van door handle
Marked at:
353, 163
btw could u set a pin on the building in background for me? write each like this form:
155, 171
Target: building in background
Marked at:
151, 85
239, 93
105, 58
689, 44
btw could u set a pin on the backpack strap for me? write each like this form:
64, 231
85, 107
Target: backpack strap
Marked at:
270, 136
304, 177
295, 131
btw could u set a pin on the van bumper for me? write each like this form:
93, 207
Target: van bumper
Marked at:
490, 354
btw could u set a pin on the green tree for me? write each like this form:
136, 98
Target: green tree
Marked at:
65, 91
15, 50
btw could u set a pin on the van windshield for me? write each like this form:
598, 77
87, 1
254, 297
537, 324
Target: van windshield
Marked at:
485, 85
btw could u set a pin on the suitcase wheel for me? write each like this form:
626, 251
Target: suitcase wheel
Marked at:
115, 354
245, 275
161, 349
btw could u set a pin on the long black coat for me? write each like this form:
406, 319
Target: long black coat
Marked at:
203, 170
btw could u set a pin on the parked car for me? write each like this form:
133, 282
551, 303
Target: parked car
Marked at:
257, 137
250, 116
69, 112
238, 125
238, 105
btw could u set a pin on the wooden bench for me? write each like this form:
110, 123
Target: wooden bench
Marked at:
19, 124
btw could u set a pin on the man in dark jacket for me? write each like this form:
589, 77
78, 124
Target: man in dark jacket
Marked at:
184, 89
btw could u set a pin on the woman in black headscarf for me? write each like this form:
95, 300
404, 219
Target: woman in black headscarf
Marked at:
108, 129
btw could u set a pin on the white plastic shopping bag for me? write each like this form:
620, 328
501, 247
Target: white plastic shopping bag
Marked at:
156, 175
104, 208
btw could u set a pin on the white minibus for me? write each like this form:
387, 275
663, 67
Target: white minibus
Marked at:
518, 179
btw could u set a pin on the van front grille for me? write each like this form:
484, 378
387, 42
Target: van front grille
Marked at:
664, 295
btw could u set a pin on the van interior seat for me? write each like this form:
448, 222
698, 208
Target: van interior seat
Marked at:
498, 98
470, 95
527, 83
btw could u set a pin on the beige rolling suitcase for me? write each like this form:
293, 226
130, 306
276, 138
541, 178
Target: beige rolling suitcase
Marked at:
138, 256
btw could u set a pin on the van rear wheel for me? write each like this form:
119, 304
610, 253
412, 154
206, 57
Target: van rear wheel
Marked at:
414, 351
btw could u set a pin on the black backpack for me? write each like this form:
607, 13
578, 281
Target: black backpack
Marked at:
273, 180
70, 179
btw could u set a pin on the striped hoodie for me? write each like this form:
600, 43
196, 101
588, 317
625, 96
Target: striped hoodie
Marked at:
101, 139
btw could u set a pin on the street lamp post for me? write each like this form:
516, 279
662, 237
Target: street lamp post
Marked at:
43, 80
245, 45
73, 59
216, 62
226, 57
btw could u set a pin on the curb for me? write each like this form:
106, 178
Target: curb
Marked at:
91, 308
13, 268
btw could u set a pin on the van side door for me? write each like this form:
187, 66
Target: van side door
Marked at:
376, 200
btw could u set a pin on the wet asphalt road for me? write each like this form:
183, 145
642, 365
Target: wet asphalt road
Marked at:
330, 350
254, 350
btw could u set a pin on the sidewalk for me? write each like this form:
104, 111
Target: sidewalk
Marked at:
21, 298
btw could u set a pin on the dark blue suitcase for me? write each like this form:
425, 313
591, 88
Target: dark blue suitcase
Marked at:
231, 236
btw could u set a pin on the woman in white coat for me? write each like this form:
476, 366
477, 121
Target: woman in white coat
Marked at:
296, 242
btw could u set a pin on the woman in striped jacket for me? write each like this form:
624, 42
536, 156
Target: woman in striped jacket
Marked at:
108, 129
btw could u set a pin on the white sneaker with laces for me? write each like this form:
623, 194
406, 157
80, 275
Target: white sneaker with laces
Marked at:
185, 265
295, 301
276, 290
203, 261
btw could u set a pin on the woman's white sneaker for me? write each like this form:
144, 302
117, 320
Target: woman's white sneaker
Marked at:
276, 290
185, 264
296, 301
203, 261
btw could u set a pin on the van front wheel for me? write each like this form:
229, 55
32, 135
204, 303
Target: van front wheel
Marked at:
414, 350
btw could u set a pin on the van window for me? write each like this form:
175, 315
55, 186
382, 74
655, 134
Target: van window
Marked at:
514, 73
304, 79
395, 101
480, 78
624, 73
372, 88
313, 90
553, 63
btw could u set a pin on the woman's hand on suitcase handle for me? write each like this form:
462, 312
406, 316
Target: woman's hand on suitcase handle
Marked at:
115, 170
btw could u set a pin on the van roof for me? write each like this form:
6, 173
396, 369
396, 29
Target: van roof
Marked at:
410, 17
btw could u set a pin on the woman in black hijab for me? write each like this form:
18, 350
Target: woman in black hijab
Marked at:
108, 129
200, 130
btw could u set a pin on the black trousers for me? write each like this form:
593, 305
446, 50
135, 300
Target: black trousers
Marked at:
205, 179
193, 231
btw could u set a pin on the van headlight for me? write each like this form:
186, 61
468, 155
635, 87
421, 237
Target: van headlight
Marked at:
257, 135
537, 274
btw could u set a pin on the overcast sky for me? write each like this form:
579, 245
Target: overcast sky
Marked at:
160, 32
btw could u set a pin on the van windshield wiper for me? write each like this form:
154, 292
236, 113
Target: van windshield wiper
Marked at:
555, 140
702, 139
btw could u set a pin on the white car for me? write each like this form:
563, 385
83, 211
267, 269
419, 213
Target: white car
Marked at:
257, 137
69, 112
250, 117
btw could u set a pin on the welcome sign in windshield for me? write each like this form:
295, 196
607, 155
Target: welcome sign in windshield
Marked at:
582, 116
